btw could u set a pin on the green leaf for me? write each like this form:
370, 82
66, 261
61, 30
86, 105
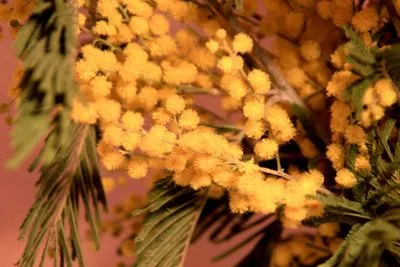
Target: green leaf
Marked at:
168, 227
70, 177
342, 206
364, 244
376, 231
357, 49
45, 45
391, 57
384, 134
335, 259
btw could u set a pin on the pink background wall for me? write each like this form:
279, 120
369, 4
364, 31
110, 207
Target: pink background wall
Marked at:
17, 193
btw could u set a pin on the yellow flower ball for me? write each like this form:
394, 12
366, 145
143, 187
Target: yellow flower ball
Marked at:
112, 160
112, 134
242, 43
345, 178
336, 154
189, 119
139, 25
225, 64
220, 34
108, 110
266, 149
310, 50
253, 109
159, 24
130, 141
137, 168
386, 92
175, 104
132, 121
260, 81
212, 45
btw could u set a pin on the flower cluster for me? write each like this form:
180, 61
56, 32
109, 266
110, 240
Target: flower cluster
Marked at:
139, 81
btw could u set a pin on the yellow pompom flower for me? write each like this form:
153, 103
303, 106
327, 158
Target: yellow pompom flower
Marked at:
204, 81
137, 168
101, 87
340, 112
161, 116
189, 119
281, 126
310, 50
253, 109
162, 46
242, 43
112, 134
132, 121
338, 57
386, 92
238, 203
108, 110
104, 28
260, 81
112, 160
294, 23
254, 129
336, 154
130, 141
339, 82
139, 25
366, 19
86, 69
159, 24
107, 61
175, 162
266, 149
175, 104
213, 46
309, 182
324, 9
225, 64
103, 147
237, 88
202, 58
138, 7
377, 112
158, 141
201, 180
355, 134
345, 178
220, 34
148, 97
83, 113
150, 71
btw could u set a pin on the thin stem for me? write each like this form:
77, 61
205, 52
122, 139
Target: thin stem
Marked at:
278, 173
278, 161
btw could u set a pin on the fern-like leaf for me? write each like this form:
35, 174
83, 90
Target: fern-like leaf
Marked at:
391, 59
172, 214
45, 44
365, 244
70, 178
